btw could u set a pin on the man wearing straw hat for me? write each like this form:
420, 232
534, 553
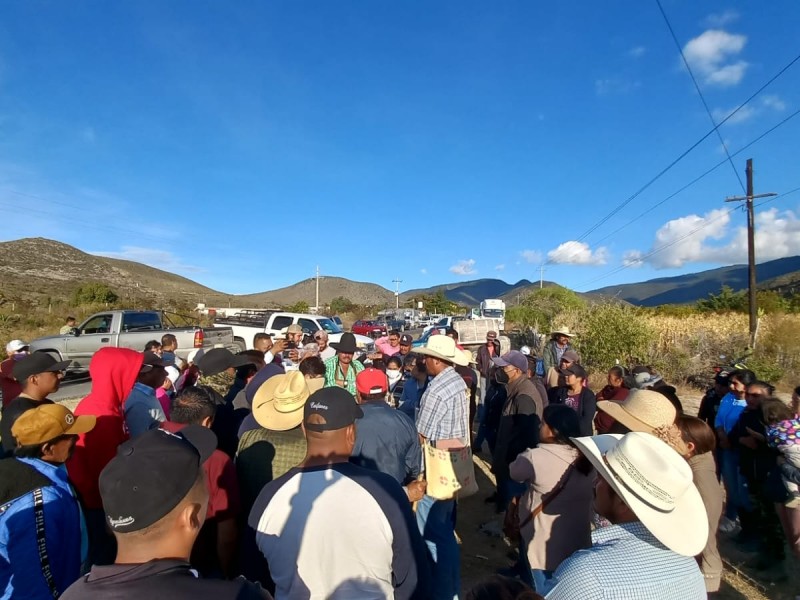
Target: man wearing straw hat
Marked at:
659, 525
443, 421
560, 342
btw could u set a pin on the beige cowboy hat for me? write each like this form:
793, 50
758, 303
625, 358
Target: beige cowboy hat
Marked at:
469, 357
563, 330
443, 348
278, 403
656, 483
642, 410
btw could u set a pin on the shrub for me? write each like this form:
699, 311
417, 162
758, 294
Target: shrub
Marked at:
93, 293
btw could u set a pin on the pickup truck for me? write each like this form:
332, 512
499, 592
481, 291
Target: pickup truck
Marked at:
443, 323
129, 329
247, 323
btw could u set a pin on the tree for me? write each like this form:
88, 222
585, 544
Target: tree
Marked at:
340, 305
298, 307
613, 331
93, 293
540, 307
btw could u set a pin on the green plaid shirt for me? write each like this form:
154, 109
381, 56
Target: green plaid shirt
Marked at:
332, 373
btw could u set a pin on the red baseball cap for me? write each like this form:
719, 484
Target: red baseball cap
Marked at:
372, 381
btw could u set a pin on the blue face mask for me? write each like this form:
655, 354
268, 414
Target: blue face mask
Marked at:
19, 355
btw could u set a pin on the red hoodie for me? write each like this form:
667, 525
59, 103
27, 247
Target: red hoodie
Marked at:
113, 371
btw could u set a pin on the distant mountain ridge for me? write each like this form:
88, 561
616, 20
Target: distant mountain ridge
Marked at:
694, 286
471, 292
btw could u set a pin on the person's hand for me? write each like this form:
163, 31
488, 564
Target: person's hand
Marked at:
416, 490
375, 356
278, 346
754, 434
294, 355
748, 442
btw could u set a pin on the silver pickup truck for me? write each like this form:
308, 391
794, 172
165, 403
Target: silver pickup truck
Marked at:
129, 329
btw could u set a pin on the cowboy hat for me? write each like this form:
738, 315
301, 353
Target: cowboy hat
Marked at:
278, 403
444, 348
469, 357
346, 344
656, 484
642, 410
562, 331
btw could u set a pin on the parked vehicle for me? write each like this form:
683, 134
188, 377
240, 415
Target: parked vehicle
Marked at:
443, 323
494, 309
372, 329
391, 322
471, 334
245, 324
129, 329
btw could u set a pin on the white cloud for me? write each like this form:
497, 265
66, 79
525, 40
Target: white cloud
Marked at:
531, 256
499, 267
743, 114
424, 271
464, 267
637, 51
774, 102
721, 19
160, 259
632, 259
577, 253
777, 236
712, 54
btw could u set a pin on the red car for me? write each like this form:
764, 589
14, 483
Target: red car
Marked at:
372, 329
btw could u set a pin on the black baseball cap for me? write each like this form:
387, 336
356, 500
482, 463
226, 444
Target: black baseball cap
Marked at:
151, 361
335, 405
406, 339
575, 369
38, 362
218, 360
151, 474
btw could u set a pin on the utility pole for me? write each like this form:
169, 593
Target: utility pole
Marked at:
751, 247
541, 276
397, 283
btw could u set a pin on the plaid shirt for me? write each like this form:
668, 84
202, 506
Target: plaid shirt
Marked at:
332, 373
627, 562
443, 409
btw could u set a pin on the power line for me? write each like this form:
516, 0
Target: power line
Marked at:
683, 155
699, 92
680, 239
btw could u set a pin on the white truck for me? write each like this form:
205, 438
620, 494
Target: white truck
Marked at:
494, 309
245, 324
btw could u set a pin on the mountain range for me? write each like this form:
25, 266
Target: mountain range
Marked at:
39, 270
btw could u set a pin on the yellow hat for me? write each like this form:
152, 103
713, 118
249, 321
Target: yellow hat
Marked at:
47, 422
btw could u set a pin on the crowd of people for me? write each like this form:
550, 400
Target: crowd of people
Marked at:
299, 469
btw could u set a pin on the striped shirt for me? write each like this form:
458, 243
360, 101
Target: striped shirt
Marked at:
627, 562
333, 374
443, 409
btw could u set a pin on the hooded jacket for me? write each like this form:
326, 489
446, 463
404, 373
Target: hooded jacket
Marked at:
113, 371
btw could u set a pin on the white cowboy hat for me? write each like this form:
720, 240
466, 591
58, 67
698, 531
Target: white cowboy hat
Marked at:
656, 483
278, 403
443, 348
562, 331
642, 410
469, 357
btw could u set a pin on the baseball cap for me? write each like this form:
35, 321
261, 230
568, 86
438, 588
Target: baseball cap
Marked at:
336, 406
571, 356
151, 474
575, 369
47, 422
321, 334
218, 360
38, 362
151, 361
406, 340
372, 381
15, 346
491, 335
515, 358
294, 328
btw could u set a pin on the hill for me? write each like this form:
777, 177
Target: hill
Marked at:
472, 292
329, 288
693, 286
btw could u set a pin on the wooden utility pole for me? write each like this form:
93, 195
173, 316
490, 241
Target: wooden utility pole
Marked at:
751, 248
397, 283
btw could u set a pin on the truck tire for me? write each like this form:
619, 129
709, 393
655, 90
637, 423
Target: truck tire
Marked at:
241, 343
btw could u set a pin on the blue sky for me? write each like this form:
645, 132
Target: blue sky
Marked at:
242, 144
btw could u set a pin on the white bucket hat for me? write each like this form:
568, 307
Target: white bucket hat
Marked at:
656, 483
443, 348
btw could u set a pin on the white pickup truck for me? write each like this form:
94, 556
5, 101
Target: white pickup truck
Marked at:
247, 323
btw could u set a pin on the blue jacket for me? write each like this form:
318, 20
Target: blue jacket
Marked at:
21, 565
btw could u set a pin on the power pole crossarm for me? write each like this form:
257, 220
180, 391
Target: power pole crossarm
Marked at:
751, 248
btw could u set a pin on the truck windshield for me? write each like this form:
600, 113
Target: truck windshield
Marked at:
492, 313
330, 326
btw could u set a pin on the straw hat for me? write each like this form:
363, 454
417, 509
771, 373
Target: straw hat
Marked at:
278, 403
642, 410
656, 483
562, 331
443, 348
469, 357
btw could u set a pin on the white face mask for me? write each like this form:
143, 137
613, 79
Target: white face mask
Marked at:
393, 375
